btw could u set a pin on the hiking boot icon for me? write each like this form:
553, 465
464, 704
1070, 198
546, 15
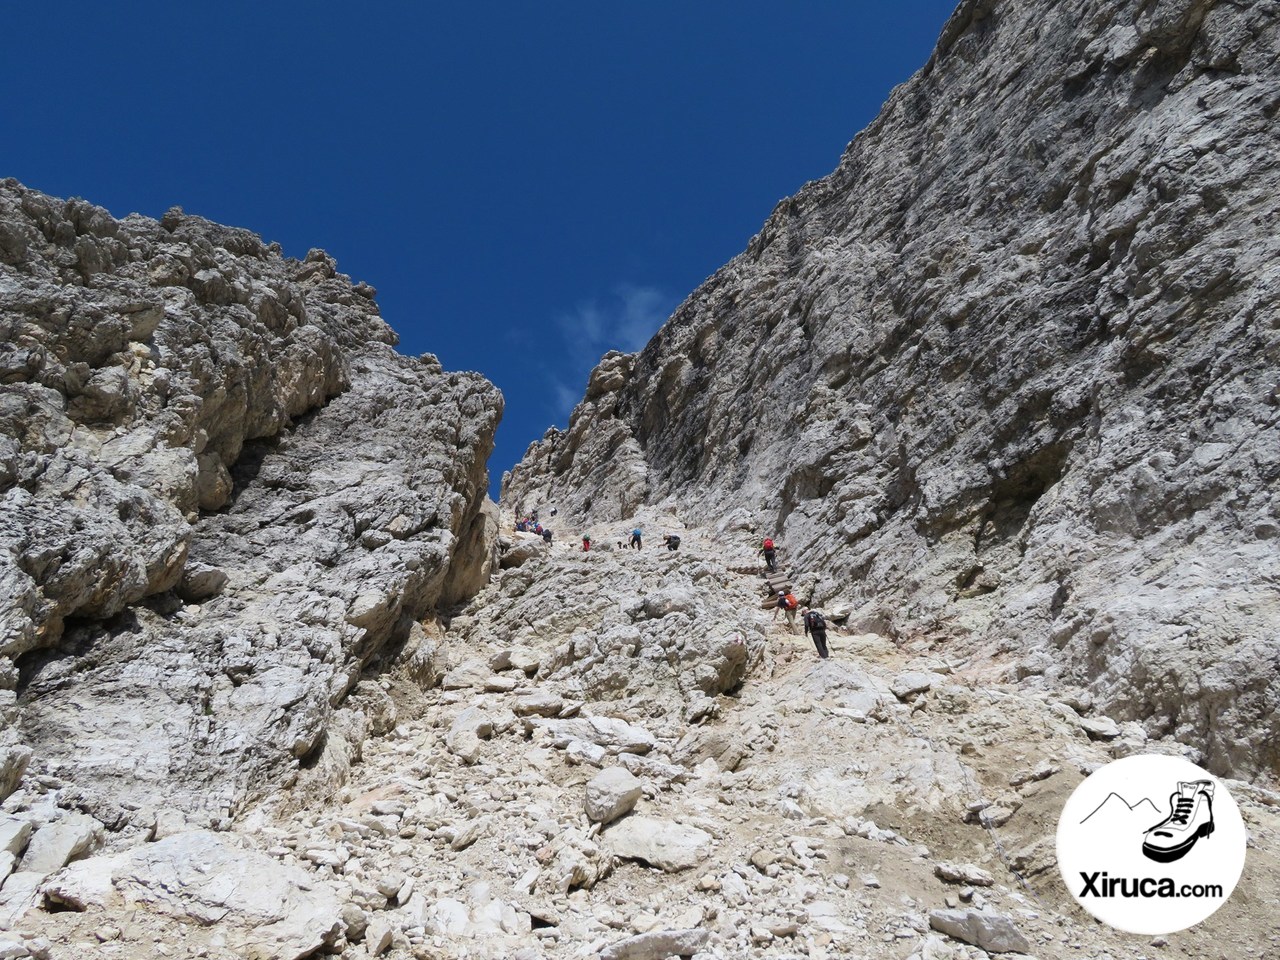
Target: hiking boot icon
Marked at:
1190, 818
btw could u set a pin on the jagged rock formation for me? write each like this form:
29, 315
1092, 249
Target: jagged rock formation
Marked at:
222, 494
1007, 377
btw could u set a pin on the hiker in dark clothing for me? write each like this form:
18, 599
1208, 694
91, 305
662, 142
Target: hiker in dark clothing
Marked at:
636, 539
546, 536
672, 540
816, 626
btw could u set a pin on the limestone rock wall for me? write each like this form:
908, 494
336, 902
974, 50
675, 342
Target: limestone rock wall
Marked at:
222, 493
1008, 377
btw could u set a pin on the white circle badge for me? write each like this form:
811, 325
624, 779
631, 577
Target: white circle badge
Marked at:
1151, 844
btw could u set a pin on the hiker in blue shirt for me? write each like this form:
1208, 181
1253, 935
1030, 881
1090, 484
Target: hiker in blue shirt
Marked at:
636, 540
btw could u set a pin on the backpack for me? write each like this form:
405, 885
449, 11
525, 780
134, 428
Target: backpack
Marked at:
768, 544
815, 620
789, 602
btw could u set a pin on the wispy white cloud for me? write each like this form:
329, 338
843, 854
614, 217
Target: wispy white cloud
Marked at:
564, 397
624, 320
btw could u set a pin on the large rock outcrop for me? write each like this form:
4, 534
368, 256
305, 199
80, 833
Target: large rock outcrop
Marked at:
222, 494
1008, 376
662, 633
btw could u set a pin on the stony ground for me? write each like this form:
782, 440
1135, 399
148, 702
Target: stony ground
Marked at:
821, 809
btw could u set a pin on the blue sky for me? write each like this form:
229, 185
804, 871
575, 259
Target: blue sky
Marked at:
527, 185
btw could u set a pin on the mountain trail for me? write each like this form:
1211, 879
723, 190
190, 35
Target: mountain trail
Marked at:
805, 808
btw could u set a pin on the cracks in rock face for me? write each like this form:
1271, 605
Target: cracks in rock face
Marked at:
965, 582
72, 654
1013, 497
813, 482
255, 453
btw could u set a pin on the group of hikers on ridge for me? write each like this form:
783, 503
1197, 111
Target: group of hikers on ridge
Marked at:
815, 624
530, 524
671, 541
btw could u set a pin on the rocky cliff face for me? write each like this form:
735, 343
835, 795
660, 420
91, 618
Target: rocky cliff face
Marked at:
222, 494
1007, 378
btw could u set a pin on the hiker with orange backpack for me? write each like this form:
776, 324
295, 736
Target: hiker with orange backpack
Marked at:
788, 604
770, 555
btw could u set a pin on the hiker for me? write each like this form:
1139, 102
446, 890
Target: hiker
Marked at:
520, 526
554, 511
586, 544
788, 604
546, 536
534, 516
672, 540
770, 555
636, 540
816, 626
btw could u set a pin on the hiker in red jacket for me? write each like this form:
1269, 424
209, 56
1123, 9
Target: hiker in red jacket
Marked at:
770, 555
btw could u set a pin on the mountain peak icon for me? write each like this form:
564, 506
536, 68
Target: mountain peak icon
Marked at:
1116, 807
